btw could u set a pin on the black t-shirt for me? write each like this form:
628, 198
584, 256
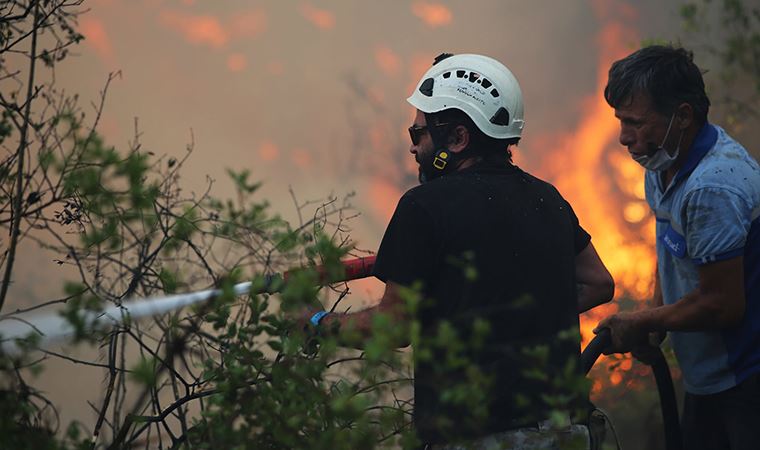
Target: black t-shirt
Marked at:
495, 246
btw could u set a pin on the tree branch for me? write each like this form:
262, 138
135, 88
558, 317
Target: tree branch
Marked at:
18, 203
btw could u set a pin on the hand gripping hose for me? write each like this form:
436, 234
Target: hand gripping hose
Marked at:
662, 377
51, 326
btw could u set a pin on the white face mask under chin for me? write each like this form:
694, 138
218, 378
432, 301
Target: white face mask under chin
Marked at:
661, 159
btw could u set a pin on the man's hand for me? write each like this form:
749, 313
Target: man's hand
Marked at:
625, 331
303, 317
649, 352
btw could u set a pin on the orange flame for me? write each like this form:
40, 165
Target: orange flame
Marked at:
268, 151
236, 62
210, 30
388, 61
603, 184
197, 29
433, 14
301, 158
320, 18
606, 188
97, 38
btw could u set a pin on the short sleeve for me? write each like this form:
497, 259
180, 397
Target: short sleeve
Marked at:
717, 224
580, 237
409, 248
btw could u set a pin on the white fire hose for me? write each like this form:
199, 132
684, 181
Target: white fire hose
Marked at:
51, 327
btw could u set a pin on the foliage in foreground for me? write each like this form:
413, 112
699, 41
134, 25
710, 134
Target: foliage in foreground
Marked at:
231, 373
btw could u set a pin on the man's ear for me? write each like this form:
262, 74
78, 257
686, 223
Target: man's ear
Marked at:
684, 116
459, 139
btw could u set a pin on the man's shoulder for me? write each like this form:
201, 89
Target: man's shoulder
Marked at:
727, 165
462, 183
424, 196
421, 191
431, 196
433, 188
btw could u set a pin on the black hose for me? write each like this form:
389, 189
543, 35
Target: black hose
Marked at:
668, 404
595, 348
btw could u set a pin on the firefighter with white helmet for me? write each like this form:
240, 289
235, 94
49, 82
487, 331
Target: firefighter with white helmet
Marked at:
496, 253
477, 86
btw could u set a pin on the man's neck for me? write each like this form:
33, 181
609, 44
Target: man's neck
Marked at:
689, 137
466, 163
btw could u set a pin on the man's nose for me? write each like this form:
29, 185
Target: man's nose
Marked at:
626, 137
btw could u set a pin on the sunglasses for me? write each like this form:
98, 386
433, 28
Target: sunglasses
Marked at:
416, 132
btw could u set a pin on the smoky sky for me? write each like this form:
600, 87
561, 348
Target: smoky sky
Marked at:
272, 86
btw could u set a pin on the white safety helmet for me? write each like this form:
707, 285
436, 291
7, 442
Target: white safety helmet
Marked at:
481, 87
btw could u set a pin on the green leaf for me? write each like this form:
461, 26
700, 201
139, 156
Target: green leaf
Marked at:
144, 372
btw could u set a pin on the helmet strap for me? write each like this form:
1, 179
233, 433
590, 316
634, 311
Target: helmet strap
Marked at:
442, 160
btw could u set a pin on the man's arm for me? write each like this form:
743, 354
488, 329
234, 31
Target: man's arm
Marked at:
657, 294
594, 282
360, 322
656, 337
717, 303
649, 350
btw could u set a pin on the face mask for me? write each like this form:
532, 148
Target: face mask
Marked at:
660, 160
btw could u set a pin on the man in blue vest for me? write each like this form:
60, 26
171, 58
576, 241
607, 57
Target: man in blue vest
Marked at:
704, 189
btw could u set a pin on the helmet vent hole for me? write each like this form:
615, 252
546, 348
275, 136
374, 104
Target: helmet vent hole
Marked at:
460, 73
501, 117
486, 83
494, 93
426, 88
447, 75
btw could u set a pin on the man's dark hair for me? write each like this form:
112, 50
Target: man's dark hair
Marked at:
441, 57
491, 149
666, 74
